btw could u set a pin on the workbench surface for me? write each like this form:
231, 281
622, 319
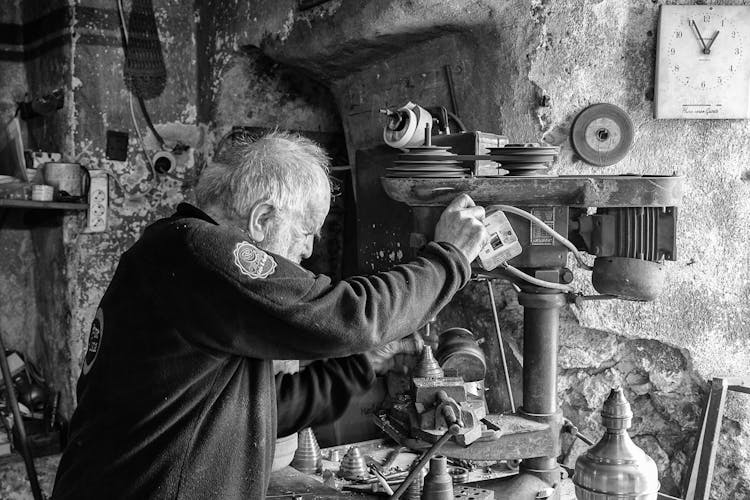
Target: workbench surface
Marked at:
292, 484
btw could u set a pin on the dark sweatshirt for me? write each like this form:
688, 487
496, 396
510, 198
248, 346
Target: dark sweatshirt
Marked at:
177, 398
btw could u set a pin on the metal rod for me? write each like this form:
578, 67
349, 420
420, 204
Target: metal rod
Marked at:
20, 429
452, 430
451, 89
502, 349
571, 428
382, 480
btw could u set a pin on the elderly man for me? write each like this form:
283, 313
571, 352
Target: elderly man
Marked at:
177, 398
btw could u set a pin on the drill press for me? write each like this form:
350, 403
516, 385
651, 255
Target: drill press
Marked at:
631, 233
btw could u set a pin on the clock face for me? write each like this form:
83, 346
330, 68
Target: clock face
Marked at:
702, 62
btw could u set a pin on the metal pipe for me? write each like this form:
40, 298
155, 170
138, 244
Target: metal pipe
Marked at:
502, 349
452, 431
541, 322
23, 444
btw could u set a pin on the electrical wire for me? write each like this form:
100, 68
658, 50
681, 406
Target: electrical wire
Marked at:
149, 160
140, 138
124, 35
557, 236
536, 281
142, 142
141, 103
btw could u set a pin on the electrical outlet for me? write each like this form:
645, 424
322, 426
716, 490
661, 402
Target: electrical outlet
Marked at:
98, 201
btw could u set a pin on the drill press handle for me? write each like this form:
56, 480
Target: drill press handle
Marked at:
450, 411
452, 431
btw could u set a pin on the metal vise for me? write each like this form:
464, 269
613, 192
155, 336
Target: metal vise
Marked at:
437, 403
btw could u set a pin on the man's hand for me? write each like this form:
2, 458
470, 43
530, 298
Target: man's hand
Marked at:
461, 225
382, 358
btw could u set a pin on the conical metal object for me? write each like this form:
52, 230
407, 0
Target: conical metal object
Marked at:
615, 467
307, 458
428, 366
414, 491
438, 484
353, 465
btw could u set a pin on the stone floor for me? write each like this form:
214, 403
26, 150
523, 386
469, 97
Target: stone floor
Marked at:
14, 484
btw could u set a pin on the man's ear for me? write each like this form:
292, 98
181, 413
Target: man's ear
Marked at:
261, 218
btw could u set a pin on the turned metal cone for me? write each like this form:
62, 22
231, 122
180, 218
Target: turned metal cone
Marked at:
438, 484
307, 458
414, 491
615, 467
428, 365
353, 464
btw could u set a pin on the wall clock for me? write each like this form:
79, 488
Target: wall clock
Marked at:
703, 62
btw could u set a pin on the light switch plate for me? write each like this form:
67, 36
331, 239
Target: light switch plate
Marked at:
98, 202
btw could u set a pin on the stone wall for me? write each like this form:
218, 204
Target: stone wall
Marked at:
525, 68
137, 196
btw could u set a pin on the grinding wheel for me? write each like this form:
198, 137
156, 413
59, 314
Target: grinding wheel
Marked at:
602, 134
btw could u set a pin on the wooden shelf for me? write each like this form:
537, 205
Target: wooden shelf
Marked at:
47, 205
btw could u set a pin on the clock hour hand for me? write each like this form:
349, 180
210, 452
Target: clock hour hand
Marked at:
706, 50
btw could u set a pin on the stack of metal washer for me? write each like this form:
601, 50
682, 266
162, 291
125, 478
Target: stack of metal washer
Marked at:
525, 159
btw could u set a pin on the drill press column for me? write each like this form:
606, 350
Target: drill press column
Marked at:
541, 318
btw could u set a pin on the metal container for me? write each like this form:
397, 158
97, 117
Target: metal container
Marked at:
459, 355
615, 467
284, 451
70, 178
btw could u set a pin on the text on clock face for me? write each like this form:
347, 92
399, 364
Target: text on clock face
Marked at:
705, 51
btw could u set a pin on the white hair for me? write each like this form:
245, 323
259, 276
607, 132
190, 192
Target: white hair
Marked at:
284, 169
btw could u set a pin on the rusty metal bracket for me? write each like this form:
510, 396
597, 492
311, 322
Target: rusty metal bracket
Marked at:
698, 484
20, 431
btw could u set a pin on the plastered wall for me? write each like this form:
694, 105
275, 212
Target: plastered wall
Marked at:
211, 85
17, 304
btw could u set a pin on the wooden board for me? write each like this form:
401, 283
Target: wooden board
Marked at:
571, 191
48, 205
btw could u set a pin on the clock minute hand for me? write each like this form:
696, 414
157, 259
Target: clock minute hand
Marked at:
706, 50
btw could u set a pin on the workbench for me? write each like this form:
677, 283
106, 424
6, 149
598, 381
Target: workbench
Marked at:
289, 483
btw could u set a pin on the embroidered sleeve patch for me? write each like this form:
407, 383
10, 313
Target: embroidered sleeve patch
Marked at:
95, 341
253, 261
